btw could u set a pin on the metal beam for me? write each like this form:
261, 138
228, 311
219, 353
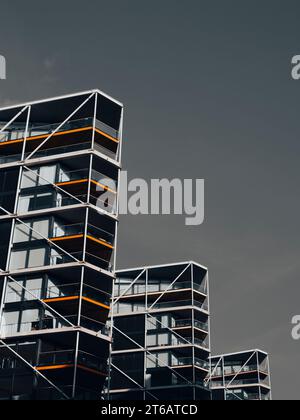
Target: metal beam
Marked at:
59, 127
169, 287
148, 352
34, 369
13, 119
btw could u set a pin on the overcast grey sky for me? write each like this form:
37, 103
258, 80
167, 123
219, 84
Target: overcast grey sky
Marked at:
208, 94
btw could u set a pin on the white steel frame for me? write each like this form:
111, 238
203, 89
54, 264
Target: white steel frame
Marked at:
226, 386
23, 164
144, 271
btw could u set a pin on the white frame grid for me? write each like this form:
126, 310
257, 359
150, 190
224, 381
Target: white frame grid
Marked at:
228, 386
143, 271
24, 164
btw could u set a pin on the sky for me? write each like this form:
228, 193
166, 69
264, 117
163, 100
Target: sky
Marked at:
208, 93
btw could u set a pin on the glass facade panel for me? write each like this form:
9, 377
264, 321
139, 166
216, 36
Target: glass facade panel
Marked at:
43, 175
35, 287
18, 259
21, 234
37, 201
27, 258
31, 230
36, 257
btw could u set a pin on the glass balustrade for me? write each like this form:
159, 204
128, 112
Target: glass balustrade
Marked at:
15, 133
18, 134
68, 357
9, 330
136, 289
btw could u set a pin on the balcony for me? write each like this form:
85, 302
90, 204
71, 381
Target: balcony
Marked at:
14, 294
203, 306
71, 238
190, 362
52, 323
238, 370
77, 182
73, 135
249, 397
58, 258
77, 230
239, 382
67, 358
188, 323
152, 289
160, 341
32, 250
122, 308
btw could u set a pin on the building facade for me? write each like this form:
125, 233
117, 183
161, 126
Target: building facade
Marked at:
59, 178
161, 340
241, 376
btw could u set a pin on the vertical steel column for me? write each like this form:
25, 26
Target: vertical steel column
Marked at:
75, 365
193, 333
208, 304
94, 120
223, 375
84, 254
258, 375
90, 178
10, 245
114, 270
269, 376
111, 342
146, 332
26, 134
82, 268
119, 156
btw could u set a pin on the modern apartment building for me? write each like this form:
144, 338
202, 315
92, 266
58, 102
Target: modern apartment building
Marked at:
59, 177
241, 376
161, 325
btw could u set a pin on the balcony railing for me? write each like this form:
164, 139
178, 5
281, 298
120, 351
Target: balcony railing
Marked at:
79, 229
77, 175
25, 205
189, 361
9, 330
182, 323
60, 258
234, 370
179, 380
57, 291
9, 135
137, 289
154, 362
43, 130
238, 382
175, 304
74, 290
175, 341
230, 396
65, 357
124, 308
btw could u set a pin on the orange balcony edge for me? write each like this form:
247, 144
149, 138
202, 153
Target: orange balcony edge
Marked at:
44, 136
53, 367
106, 135
99, 241
67, 238
69, 298
57, 367
81, 181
